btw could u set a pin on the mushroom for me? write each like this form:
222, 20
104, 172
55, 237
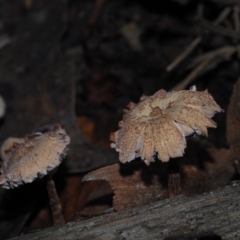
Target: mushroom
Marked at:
8, 145
158, 124
2, 107
32, 157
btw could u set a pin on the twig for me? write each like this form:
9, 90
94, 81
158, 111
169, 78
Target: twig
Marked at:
238, 50
219, 30
98, 5
222, 16
196, 41
200, 10
181, 57
225, 2
236, 10
220, 53
54, 202
192, 75
206, 62
227, 24
4, 41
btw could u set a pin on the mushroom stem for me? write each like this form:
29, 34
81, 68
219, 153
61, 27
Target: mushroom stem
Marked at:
56, 207
174, 179
174, 184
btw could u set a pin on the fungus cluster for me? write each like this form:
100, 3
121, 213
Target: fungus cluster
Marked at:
32, 157
158, 124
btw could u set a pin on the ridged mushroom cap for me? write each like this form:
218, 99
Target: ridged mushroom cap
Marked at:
8, 145
34, 157
158, 124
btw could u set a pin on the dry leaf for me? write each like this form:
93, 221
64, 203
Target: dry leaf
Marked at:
160, 123
132, 187
135, 184
40, 153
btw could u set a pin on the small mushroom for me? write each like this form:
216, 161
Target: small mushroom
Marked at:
33, 157
2, 107
158, 124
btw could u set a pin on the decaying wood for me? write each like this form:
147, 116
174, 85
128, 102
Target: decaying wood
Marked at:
135, 185
213, 214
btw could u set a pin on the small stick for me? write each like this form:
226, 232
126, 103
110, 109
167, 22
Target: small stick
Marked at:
236, 18
192, 75
54, 202
206, 61
182, 56
236, 10
227, 24
238, 50
225, 51
219, 30
196, 41
222, 16
225, 2
98, 5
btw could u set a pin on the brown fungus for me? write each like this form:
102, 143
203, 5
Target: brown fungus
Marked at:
25, 160
158, 124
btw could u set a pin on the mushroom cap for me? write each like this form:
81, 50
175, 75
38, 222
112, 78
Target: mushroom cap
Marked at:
2, 107
158, 124
38, 154
8, 145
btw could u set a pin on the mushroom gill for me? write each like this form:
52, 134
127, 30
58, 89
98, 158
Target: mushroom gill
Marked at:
158, 124
34, 157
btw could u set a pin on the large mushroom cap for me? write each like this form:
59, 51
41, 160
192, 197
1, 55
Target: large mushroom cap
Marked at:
34, 157
160, 123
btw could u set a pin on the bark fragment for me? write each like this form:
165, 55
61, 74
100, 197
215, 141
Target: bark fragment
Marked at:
134, 184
